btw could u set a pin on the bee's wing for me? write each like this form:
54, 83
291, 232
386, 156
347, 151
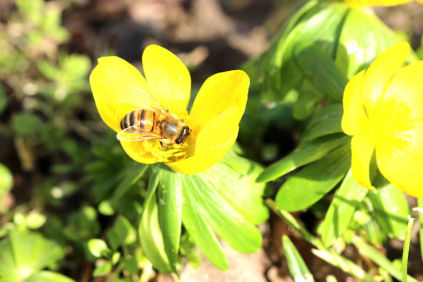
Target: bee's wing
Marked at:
131, 134
146, 101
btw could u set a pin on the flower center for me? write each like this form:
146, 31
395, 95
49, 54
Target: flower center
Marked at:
390, 121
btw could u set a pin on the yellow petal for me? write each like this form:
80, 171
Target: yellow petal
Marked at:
380, 73
141, 152
410, 142
217, 94
212, 143
113, 82
402, 170
376, 2
354, 119
407, 88
362, 149
168, 78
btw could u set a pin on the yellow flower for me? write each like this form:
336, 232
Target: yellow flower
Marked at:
383, 111
118, 88
363, 3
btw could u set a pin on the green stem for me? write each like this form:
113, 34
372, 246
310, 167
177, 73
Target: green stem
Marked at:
406, 248
379, 258
324, 253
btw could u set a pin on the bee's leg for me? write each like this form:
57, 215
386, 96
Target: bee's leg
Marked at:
162, 144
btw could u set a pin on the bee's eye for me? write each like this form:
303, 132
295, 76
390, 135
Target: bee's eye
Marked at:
171, 128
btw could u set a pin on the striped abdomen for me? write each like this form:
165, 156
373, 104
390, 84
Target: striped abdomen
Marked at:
143, 120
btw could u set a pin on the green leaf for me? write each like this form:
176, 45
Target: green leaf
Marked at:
122, 233
3, 99
310, 184
296, 265
131, 176
380, 259
6, 180
23, 254
305, 153
221, 216
308, 98
83, 225
369, 36
341, 210
201, 233
27, 124
98, 248
170, 211
131, 265
234, 178
391, 210
103, 269
48, 276
320, 70
31, 10
326, 121
150, 234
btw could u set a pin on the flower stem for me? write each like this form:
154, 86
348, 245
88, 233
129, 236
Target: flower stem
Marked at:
322, 252
406, 248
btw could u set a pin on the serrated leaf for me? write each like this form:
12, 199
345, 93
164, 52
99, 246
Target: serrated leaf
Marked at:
326, 121
310, 184
304, 154
297, 268
150, 234
341, 210
170, 211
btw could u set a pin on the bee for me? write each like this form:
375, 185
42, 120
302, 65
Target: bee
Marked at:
151, 122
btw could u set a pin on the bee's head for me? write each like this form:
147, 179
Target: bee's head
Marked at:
184, 134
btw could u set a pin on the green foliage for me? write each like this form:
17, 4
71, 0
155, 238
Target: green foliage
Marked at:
24, 255
210, 204
94, 204
297, 267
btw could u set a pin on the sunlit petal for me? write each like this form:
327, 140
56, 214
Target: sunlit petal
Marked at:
380, 73
115, 85
402, 170
354, 119
376, 2
218, 93
168, 78
407, 87
142, 152
362, 149
212, 143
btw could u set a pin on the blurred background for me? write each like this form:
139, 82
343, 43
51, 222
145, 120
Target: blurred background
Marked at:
56, 156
